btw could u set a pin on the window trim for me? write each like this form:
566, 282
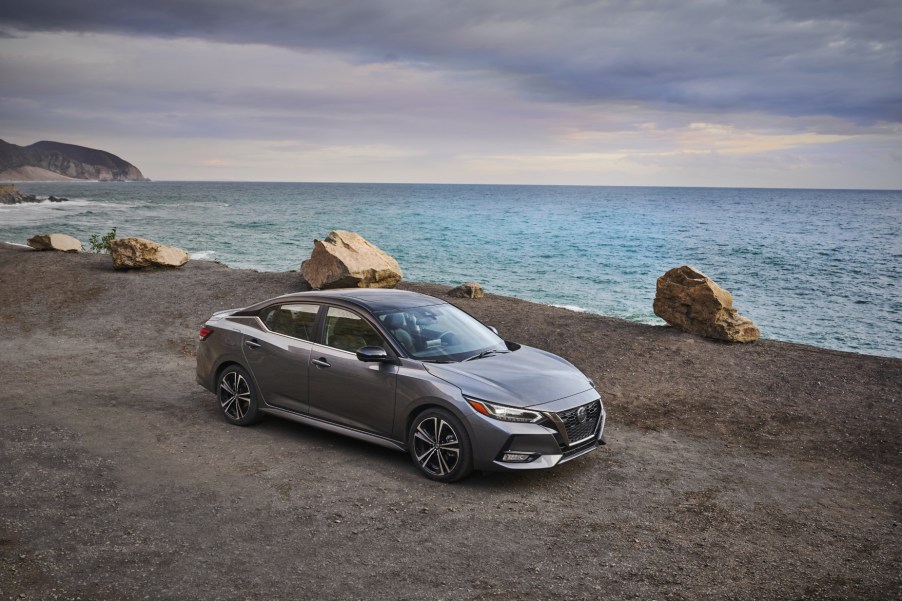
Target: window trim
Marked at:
323, 324
389, 343
314, 328
319, 325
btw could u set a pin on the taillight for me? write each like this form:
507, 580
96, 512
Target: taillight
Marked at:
205, 332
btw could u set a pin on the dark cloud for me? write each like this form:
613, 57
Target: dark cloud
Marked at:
793, 57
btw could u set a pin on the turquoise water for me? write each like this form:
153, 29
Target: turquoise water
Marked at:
821, 267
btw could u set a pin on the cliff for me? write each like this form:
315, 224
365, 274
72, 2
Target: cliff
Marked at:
49, 161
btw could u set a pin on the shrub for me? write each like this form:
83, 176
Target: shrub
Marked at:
101, 244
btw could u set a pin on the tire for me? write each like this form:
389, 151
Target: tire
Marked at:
445, 457
237, 396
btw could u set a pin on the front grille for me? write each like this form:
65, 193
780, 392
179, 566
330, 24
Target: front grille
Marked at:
573, 450
551, 425
576, 430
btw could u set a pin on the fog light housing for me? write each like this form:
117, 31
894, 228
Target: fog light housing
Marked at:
516, 457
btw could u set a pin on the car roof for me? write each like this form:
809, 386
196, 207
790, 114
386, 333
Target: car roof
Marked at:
375, 300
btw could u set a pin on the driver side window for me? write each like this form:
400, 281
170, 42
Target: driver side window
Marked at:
348, 331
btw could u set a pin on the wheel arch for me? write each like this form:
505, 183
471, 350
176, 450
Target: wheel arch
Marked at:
434, 403
224, 365
221, 368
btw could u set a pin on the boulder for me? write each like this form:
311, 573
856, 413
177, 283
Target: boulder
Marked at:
137, 253
55, 242
10, 195
689, 300
468, 290
346, 260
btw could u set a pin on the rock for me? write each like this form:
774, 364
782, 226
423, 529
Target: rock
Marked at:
468, 290
691, 301
55, 242
10, 195
137, 253
57, 199
346, 260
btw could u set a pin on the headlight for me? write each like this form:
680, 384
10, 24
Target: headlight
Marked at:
503, 413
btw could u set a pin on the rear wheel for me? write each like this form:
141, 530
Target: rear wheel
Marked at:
439, 446
237, 396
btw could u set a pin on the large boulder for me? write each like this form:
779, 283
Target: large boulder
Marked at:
689, 300
137, 253
55, 242
346, 260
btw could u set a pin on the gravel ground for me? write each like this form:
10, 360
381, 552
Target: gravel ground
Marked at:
762, 471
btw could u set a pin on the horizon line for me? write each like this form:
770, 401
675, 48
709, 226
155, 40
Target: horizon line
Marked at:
370, 183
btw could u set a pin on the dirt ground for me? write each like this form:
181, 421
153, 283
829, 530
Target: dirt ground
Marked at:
762, 471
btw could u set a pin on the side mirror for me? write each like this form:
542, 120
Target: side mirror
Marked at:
373, 354
493, 329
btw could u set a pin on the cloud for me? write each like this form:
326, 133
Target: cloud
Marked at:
785, 58
190, 88
702, 92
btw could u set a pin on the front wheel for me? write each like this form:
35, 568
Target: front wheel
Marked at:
237, 396
439, 446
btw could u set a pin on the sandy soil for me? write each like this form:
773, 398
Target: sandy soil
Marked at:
30, 173
763, 471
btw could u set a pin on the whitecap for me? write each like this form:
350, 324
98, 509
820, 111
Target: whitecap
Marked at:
45, 202
575, 308
203, 255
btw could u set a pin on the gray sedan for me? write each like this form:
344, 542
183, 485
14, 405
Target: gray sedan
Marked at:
404, 370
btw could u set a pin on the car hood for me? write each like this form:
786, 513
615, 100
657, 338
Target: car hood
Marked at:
521, 378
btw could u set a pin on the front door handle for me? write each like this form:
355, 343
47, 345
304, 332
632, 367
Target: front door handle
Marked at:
321, 362
252, 344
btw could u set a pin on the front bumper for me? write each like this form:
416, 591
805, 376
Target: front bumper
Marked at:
509, 446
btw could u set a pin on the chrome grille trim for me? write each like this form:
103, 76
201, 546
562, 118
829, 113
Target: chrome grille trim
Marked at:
561, 428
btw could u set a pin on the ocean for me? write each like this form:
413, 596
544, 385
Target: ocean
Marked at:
820, 267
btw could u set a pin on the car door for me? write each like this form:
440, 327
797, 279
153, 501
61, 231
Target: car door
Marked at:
279, 356
344, 389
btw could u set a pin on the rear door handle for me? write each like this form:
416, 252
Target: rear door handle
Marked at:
321, 362
252, 344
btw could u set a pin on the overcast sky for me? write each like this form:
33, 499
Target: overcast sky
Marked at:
793, 93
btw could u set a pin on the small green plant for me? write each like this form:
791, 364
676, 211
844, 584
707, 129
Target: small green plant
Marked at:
101, 244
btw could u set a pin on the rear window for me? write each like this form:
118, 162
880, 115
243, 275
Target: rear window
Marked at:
295, 320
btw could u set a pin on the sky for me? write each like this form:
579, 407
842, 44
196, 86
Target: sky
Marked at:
752, 93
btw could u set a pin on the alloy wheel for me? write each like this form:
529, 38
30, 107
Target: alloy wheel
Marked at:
436, 446
234, 395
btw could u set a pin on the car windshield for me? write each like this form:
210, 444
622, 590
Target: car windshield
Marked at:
441, 333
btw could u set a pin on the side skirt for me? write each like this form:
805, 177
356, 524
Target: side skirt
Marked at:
333, 427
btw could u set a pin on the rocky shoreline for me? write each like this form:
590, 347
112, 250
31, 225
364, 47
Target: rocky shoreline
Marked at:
766, 470
10, 195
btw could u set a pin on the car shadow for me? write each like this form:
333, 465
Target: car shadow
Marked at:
392, 463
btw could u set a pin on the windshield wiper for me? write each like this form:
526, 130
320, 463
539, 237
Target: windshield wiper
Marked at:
483, 354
